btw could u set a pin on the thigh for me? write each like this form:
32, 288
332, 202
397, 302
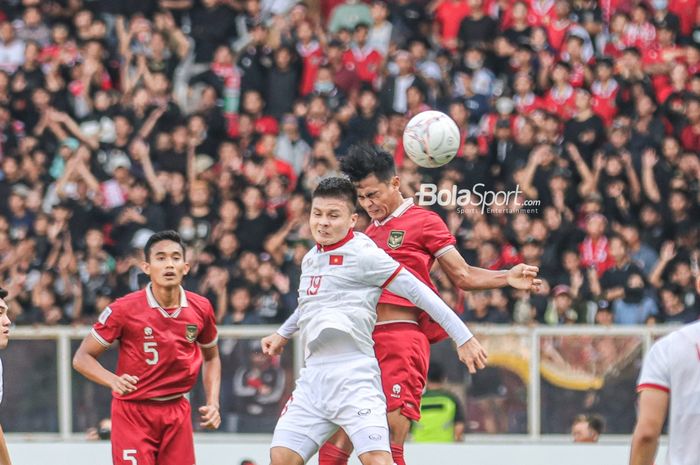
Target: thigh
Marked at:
133, 441
301, 428
177, 444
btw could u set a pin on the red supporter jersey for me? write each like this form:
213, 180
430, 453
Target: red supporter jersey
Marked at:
414, 237
160, 347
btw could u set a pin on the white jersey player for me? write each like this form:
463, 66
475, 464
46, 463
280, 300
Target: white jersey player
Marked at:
342, 279
4, 339
670, 374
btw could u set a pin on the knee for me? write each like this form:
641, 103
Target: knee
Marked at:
377, 458
279, 456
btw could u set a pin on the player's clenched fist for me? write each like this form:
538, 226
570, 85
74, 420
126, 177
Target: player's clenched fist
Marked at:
211, 419
124, 384
273, 344
472, 355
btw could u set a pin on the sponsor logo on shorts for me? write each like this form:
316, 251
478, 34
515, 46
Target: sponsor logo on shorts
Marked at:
396, 391
364, 412
375, 437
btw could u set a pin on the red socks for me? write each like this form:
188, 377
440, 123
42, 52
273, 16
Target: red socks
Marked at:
330, 454
397, 454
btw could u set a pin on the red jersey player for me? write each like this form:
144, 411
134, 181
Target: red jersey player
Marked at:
414, 237
163, 331
4, 339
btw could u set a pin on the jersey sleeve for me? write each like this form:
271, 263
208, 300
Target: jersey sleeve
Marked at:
209, 336
377, 268
436, 237
655, 370
108, 327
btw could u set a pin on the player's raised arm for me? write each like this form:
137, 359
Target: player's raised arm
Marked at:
470, 351
85, 362
471, 278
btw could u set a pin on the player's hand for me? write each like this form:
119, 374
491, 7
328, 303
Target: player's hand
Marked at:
472, 355
124, 384
211, 419
524, 277
273, 344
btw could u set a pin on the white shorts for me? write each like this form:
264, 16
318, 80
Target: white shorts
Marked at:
343, 391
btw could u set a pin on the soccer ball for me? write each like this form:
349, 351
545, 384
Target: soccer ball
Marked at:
431, 139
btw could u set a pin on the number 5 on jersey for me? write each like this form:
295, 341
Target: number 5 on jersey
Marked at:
150, 348
314, 284
128, 455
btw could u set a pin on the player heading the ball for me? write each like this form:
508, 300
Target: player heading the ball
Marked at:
163, 332
342, 278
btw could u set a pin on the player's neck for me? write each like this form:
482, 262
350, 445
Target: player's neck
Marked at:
167, 297
395, 203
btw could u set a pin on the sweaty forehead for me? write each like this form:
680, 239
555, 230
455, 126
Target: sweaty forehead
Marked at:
329, 203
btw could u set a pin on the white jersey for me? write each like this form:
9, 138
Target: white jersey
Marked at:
673, 365
339, 289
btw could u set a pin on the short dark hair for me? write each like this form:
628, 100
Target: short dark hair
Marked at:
161, 236
363, 160
595, 422
3, 293
337, 188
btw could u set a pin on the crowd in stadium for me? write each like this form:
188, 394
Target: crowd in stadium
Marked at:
217, 118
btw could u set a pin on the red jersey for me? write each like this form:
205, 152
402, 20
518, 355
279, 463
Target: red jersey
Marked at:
449, 16
561, 101
414, 237
161, 348
312, 58
365, 61
687, 11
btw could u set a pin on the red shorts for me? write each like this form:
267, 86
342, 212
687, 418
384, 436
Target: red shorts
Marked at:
403, 352
152, 433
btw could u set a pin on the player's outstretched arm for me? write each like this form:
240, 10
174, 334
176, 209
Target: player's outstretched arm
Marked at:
469, 350
85, 362
472, 278
653, 405
274, 343
211, 374
4, 453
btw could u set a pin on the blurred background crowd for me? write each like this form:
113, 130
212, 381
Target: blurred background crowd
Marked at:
217, 118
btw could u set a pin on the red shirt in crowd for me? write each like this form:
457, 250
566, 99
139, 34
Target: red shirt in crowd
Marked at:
312, 57
604, 95
449, 15
366, 61
687, 12
561, 101
541, 12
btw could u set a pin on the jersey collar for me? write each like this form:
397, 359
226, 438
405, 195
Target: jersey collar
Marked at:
405, 205
343, 241
153, 303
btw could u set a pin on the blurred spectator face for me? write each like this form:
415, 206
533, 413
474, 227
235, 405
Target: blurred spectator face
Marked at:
16, 204
196, 126
563, 8
560, 75
532, 252
305, 32
679, 74
360, 35
470, 150
519, 12
693, 111
603, 71
634, 291
582, 432
618, 249
252, 199
199, 194
523, 84
283, 58
538, 38
7, 32
538, 230
404, 62
252, 102
595, 225
487, 254
82, 19
138, 194
122, 126
229, 211
459, 113
240, 300
213, 3
670, 149
414, 97
94, 239
40, 99
682, 275
480, 301
186, 229
249, 262
613, 165
645, 106
670, 301
583, 100
59, 33
649, 216
228, 244
639, 14
368, 102
571, 261
678, 203
604, 317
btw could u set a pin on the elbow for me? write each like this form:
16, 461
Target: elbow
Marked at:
77, 362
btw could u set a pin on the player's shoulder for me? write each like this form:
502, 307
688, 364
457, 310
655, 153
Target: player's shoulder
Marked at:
196, 300
128, 300
362, 242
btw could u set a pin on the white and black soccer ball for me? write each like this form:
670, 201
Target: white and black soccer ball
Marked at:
431, 139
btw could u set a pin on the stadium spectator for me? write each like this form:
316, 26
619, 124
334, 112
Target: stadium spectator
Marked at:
587, 428
442, 413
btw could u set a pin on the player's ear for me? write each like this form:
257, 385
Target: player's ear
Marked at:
353, 219
395, 182
187, 269
146, 267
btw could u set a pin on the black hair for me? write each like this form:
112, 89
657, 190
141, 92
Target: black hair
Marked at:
3, 293
363, 160
436, 373
596, 423
161, 236
337, 188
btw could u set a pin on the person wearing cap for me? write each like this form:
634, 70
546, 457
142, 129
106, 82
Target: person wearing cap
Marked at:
560, 309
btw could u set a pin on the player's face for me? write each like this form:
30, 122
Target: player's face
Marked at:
4, 325
166, 265
581, 432
330, 220
379, 199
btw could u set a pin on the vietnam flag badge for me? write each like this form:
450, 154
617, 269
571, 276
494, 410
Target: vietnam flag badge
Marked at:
335, 260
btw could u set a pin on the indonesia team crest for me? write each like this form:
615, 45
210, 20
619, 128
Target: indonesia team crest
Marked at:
191, 333
395, 239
